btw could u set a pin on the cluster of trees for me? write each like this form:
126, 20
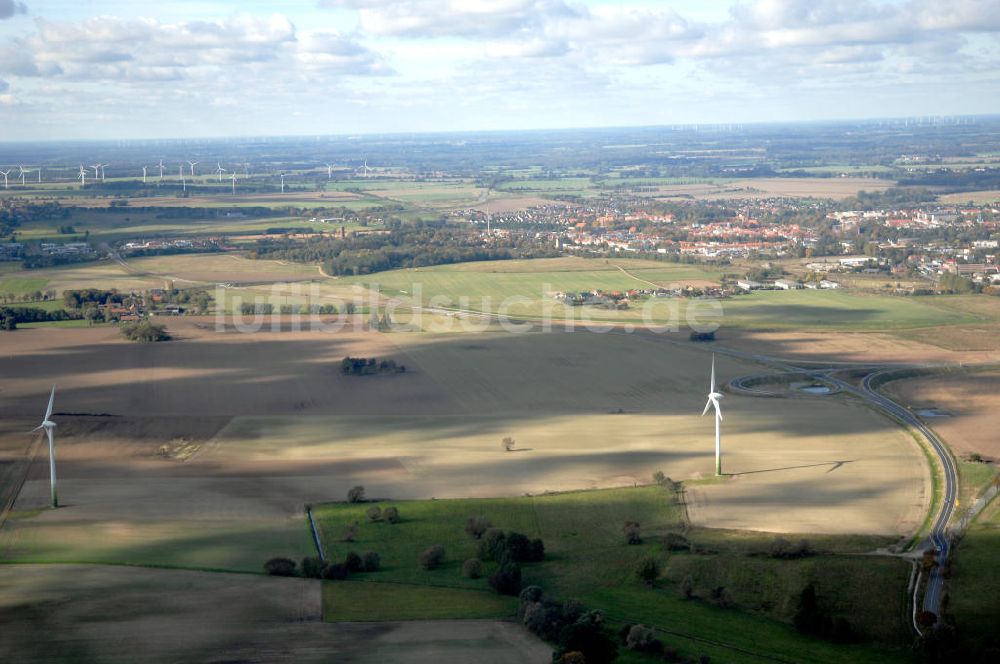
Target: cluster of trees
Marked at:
369, 366
144, 331
17, 211
507, 549
578, 634
76, 299
313, 568
10, 317
412, 245
954, 283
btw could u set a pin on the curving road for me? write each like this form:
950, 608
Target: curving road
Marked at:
938, 536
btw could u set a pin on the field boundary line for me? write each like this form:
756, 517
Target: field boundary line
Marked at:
315, 533
29, 459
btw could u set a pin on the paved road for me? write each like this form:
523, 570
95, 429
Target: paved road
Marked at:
939, 529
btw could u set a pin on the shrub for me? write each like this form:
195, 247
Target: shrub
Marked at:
391, 514
475, 526
280, 567
545, 619
491, 545
631, 532
536, 553
507, 444
370, 561
351, 532
687, 587
641, 639
506, 580
527, 596
432, 557
144, 332
312, 567
647, 570
335, 572
659, 477
588, 636
472, 568
353, 562
374, 513
676, 542
782, 548
356, 494
517, 547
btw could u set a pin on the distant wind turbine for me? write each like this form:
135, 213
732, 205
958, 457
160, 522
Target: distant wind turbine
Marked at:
282, 182
83, 176
366, 167
220, 170
246, 169
23, 172
193, 164
5, 174
161, 169
183, 183
234, 183
713, 400
49, 427
329, 171
144, 175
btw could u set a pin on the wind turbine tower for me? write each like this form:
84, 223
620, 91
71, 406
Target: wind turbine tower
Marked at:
161, 169
5, 174
220, 170
234, 183
83, 176
282, 183
49, 427
713, 401
144, 175
193, 164
329, 171
23, 171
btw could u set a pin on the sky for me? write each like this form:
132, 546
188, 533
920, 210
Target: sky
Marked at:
87, 69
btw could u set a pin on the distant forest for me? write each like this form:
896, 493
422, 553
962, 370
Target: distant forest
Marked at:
418, 245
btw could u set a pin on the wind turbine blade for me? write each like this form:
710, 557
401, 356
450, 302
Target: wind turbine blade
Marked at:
712, 386
36, 428
707, 404
718, 409
52, 398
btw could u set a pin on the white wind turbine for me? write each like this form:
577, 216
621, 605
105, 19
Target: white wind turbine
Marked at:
193, 164
220, 170
713, 400
83, 176
97, 170
234, 183
102, 171
144, 175
183, 183
366, 167
161, 169
49, 427
39, 175
246, 169
23, 172
5, 174
329, 171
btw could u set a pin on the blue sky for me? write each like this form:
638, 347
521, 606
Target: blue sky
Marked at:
202, 68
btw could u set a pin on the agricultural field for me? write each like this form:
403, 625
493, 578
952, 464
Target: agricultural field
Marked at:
483, 287
587, 559
101, 613
966, 404
975, 581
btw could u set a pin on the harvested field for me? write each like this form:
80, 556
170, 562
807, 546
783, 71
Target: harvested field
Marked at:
108, 614
972, 400
835, 188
